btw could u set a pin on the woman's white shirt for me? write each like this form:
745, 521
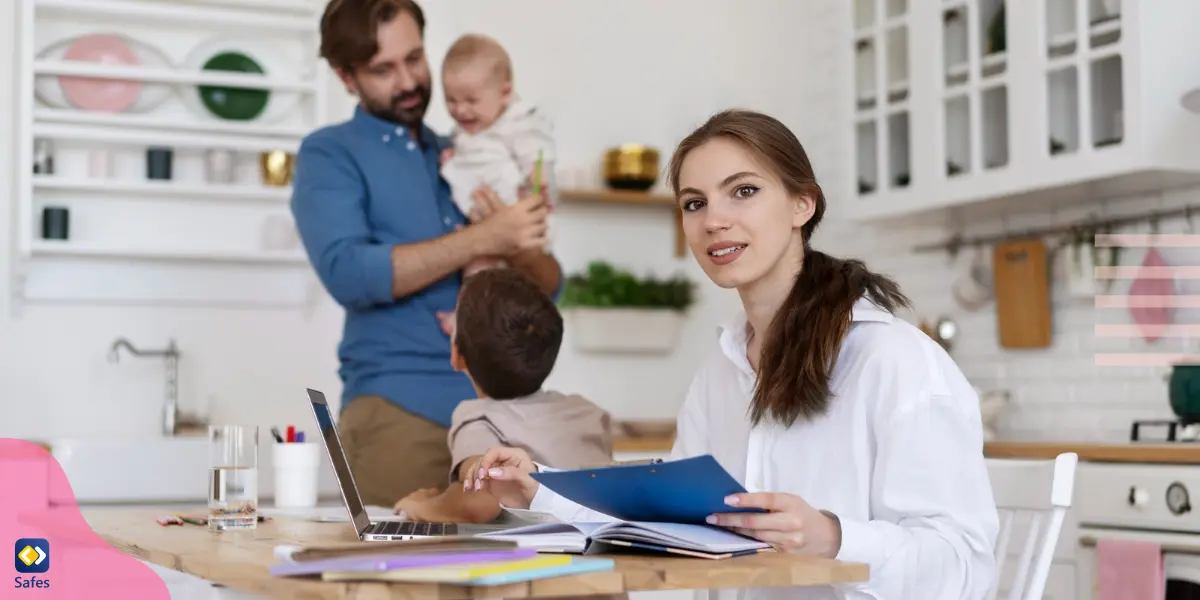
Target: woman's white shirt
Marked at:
898, 457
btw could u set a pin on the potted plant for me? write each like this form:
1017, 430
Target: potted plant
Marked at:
610, 310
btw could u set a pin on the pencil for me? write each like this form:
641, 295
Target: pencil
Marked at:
537, 175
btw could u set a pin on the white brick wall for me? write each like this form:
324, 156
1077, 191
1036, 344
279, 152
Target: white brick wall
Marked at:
1058, 392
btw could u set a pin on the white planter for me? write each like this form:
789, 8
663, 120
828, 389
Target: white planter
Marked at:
624, 330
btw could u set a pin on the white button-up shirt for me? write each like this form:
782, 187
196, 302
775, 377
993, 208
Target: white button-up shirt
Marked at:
898, 457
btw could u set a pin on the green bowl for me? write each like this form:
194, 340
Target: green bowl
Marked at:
230, 102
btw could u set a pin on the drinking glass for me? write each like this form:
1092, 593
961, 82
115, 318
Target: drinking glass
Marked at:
232, 477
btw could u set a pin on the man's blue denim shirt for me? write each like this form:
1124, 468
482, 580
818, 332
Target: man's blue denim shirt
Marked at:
361, 187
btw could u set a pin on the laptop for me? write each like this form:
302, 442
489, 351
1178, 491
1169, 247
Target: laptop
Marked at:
377, 531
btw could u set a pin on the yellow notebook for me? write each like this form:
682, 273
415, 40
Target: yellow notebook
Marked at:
450, 573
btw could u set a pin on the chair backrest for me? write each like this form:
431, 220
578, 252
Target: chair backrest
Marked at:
1035, 496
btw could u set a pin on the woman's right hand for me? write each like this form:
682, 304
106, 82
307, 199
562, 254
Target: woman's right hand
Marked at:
504, 472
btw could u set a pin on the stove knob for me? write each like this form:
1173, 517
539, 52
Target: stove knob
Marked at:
1138, 497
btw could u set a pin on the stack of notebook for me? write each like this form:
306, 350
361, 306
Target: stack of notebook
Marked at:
465, 562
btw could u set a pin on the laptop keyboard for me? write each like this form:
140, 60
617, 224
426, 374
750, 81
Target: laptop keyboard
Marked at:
407, 528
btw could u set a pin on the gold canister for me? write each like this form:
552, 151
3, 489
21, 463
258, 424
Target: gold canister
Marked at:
277, 167
631, 167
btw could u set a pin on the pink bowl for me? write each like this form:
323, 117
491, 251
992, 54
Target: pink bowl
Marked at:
104, 95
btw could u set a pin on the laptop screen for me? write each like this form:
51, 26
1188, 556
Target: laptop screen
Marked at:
341, 468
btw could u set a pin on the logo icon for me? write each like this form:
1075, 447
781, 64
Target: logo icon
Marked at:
32, 555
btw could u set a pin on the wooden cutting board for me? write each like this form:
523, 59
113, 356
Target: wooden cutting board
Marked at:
1021, 282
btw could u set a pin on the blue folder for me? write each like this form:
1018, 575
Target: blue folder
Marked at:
679, 491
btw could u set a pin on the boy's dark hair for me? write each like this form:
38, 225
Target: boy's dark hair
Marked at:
508, 332
348, 29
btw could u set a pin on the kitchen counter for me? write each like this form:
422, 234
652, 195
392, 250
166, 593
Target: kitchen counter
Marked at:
1179, 453
239, 561
1139, 452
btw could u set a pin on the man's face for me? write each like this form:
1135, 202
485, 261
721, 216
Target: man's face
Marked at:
395, 84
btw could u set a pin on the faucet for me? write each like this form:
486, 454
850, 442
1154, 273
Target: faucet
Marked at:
171, 354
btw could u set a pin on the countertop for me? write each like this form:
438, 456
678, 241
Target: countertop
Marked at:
239, 561
1139, 452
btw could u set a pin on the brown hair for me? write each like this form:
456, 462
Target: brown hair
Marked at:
348, 29
801, 347
473, 46
508, 332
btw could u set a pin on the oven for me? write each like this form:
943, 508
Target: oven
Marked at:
1140, 502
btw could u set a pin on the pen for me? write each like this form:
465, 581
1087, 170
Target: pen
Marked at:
275, 434
537, 175
291, 433
299, 437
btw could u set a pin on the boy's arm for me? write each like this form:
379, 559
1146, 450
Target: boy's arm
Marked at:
454, 505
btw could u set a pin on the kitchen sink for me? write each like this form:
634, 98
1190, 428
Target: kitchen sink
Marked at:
131, 469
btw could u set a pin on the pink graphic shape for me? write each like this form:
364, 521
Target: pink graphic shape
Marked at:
103, 95
82, 564
1151, 319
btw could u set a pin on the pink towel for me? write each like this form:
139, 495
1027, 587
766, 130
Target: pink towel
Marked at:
1129, 570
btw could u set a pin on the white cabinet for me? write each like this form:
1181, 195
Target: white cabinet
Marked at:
964, 101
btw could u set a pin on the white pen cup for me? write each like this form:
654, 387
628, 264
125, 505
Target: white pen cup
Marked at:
296, 467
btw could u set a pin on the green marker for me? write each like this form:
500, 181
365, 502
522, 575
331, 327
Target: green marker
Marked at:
537, 175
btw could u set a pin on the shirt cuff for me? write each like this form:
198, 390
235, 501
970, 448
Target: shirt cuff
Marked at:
543, 498
861, 543
378, 273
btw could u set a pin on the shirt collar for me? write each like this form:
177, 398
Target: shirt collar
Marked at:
734, 333
377, 126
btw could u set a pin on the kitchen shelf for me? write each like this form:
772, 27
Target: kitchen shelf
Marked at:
635, 198
77, 249
176, 139
136, 240
164, 189
177, 76
72, 117
1019, 104
182, 13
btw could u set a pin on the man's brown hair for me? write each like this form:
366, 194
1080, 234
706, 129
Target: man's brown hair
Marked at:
508, 333
348, 29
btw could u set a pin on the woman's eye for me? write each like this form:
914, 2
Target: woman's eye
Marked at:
691, 205
745, 191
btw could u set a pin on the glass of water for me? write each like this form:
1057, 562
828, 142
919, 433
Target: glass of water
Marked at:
232, 477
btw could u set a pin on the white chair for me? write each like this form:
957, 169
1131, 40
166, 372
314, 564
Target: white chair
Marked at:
1040, 492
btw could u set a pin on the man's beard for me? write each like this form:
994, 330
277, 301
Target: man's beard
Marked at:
392, 111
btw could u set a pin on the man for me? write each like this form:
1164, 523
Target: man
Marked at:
388, 244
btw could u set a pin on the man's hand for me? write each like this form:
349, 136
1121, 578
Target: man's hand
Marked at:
513, 229
504, 473
790, 525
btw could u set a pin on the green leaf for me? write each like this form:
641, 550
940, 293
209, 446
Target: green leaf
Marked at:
604, 285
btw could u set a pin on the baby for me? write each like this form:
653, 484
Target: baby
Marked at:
507, 342
498, 139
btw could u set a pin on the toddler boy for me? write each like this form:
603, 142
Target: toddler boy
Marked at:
507, 340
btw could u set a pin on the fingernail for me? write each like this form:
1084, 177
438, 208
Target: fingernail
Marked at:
467, 485
495, 473
482, 472
711, 519
731, 500
478, 484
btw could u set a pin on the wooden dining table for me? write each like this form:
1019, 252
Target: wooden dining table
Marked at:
240, 561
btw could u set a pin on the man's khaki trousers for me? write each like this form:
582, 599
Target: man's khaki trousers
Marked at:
391, 451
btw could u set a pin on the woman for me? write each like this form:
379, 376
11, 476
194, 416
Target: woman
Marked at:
865, 431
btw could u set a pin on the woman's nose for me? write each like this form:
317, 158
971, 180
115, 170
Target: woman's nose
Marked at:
716, 218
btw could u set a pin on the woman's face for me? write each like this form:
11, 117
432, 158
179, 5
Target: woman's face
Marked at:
739, 220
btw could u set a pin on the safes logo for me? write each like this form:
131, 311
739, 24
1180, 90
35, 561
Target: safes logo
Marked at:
31, 555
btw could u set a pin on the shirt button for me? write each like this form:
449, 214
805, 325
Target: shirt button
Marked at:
412, 145
386, 137
446, 220
399, 131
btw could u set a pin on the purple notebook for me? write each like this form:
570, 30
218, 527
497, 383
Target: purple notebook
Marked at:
385, 562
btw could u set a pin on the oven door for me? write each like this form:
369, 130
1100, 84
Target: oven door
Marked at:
1181, 560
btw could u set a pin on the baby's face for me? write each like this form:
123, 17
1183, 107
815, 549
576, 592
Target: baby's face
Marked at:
475, 96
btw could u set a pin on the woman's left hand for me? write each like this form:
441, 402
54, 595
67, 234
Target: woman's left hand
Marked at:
790, 525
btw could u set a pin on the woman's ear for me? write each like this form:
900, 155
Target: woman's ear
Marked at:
803, 210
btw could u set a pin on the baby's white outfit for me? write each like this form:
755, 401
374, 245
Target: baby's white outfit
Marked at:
501, 156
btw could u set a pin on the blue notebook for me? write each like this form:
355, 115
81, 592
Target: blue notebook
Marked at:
679, 491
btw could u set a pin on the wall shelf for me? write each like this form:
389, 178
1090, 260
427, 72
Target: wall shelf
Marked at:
164, 189
635, 198
1019, 103
205, 229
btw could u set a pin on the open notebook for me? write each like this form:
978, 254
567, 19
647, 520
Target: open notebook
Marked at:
700, 541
